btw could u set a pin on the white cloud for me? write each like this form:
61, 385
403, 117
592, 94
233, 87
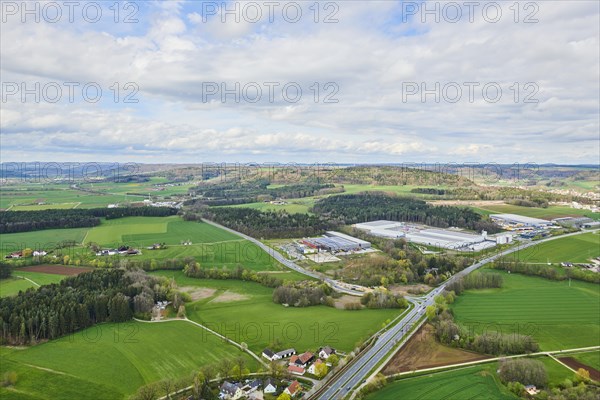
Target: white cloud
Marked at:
369, 54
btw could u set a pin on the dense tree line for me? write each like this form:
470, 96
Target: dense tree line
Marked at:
475, 280
25, 221
240, 192
195, 271
383, 299
5, 270
545, 271
268, 225
76, 303
524, 370
302, 294
355, 208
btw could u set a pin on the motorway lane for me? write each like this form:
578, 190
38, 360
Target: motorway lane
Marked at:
361, 368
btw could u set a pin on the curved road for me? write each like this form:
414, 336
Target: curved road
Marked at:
290, 264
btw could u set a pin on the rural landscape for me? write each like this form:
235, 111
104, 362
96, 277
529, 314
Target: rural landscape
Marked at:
366, 282
299, 200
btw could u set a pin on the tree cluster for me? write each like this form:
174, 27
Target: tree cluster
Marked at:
383, 299
5, 270
363, 207
524, 370
302, 294
239, 273
75, 303
545, 271
268, 225
25, 221
475, 280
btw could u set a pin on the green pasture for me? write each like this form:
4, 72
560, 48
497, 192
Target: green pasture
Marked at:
577, 249
558, 314
480, 382
256, 320
110, 361
16, 283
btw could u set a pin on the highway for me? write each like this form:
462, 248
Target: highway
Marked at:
361, 367
360, 370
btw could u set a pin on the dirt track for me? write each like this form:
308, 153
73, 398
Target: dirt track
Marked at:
575, 364
55, 269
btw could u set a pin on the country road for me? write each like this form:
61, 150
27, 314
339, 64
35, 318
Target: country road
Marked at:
290, 264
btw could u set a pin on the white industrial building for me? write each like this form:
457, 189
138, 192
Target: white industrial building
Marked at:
515, 221
444, 238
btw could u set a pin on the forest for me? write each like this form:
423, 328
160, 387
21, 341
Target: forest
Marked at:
25, 221
266, 225
76, 303
364, 207
235, 192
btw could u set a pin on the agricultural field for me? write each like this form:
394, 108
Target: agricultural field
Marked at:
558, 314
12, 286
45, 239
576, 249
544, 213
480, 382
557, 372
424, 351
110, 361
591, 358
244, 311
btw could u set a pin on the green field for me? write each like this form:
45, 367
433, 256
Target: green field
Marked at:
577, 249
557, 372
58, 197
11, 286
545, 213
256, 320
557, 315
591, 358
110, 361
38, 207
480, 382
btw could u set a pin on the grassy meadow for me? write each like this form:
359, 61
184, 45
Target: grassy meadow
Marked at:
479, 382
12, 286
558, 314
577, 249
110, 361
252, 317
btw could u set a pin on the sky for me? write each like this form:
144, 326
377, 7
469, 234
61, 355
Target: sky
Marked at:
304, 81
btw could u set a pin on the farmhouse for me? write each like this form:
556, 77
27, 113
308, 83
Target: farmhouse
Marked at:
268, 354
284, 354
325, 352
531, 390
270, 386
39, 253
16, 254
296, 370
313, 368
293, 389
231, 391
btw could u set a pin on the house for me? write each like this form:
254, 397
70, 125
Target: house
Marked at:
285, 354
270, 386
313, 368
231, 391
15, 254
306, 357
252, 386
39, 253
296, 370
295, 360
268, 354
293, 389
325, 352
532, 390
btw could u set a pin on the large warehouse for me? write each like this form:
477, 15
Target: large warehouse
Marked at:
336, 241
444, 238
514, 221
